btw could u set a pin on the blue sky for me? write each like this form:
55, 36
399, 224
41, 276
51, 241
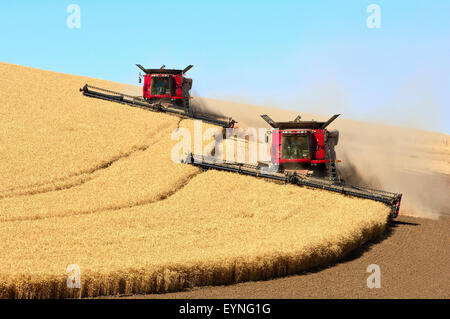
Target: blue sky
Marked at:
314, 56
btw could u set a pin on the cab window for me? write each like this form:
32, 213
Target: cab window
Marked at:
161, 86
294, 146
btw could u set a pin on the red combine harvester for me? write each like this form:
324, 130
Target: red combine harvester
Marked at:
164, 90
303, 147
302, 153
166, 86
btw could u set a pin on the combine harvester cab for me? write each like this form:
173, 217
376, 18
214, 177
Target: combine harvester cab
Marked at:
302, 147
302, 153
167, 86
164, 90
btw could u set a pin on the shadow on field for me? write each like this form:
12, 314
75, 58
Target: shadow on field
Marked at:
351, 256
357, 253
395, 223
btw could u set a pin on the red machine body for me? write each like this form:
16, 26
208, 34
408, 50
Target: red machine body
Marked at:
313, 152
305, 147
167, 86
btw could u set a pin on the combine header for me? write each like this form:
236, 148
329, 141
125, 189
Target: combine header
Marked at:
302, 153
164, 90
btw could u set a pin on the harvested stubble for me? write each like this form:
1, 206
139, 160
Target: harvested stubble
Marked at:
143, 224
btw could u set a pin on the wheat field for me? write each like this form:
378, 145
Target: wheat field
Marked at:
92, 183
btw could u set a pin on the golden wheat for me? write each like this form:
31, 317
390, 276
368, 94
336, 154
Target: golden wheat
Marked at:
51, 133
240, 229
105, 195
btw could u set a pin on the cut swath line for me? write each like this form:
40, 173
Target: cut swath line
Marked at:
78, 178
160, 197
72, 181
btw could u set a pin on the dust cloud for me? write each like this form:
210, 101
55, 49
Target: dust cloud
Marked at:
398, 159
